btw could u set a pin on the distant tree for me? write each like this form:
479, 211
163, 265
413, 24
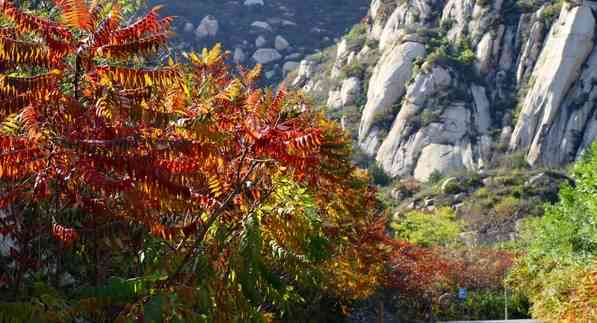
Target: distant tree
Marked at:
439, 228
378, 175
559, 270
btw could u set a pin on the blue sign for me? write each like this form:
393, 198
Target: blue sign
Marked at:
462, 293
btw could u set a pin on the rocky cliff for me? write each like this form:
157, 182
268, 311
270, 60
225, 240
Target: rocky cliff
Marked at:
434, 85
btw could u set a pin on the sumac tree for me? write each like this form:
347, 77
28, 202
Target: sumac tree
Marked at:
180, 192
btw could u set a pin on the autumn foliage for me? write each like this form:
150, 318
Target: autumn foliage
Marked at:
178, 192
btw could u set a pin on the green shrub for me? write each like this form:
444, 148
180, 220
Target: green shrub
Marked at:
357, 36
459, 56
483, 193
451, 186
435, 177
506, 207
378, 175
552, 12
429, 116
355, 69
360, 158
561, 251
485, 197
472, 179
515, 161
429, 229
483, 305
466, 56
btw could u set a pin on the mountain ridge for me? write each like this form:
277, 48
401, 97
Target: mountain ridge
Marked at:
447, 86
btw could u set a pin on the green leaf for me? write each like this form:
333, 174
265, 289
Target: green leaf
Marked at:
152, 311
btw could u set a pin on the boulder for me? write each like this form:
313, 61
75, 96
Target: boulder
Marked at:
484, 53
428, 202
293, 56
260, 41
250, 3
378, 12
531, 51
306, 71
411, 14
489, 181
270, 74
437, 157
261, 25
350, 91
266, 55
208, 27
287, 23
239, 55
280, 43
334, 100
457, 14
188, 27
290, 66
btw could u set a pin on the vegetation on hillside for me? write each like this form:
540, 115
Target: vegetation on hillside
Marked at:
137, 187
559, 270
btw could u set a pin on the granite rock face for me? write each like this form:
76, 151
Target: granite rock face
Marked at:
433, 131
388, 84
445, 83
553, 117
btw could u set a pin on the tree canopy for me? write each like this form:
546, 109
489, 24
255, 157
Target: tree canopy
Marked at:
559, 270
167, 190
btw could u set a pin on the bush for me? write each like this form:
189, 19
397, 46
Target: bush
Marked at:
408, 187
466, 56
459, 56
515, 161
357, 36
439, 228
552, 12
378, 175
473, 179
435, 177
560, 266
355, 69
507, 207
360, 158
96, 191
451, 186
429, 116
486, 304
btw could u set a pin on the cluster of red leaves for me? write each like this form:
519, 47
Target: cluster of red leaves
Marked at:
480, 268
67, 236
428, 273
176, 151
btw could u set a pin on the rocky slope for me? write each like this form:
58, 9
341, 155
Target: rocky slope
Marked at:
433, 85
276, 33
